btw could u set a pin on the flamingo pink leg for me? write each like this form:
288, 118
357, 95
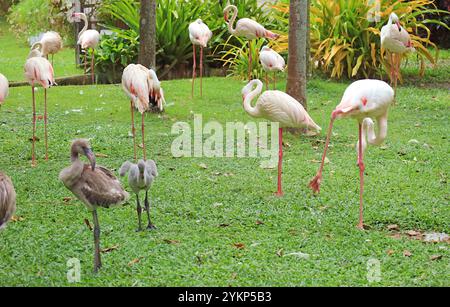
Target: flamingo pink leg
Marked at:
280, 162
33, 158
249, 60
45, 124
143, 137
92, 67
201, 71
194, 67
361, 178
133, 129
315, 183
85, 66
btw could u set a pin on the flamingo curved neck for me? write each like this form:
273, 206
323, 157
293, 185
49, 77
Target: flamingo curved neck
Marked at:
84, 18
252, 111
233, 19
369, 134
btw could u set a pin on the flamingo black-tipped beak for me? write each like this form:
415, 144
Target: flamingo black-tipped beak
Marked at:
225, 16
91, 157
399, 26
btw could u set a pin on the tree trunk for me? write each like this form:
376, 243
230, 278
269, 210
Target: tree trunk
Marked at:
298, 45
147, 34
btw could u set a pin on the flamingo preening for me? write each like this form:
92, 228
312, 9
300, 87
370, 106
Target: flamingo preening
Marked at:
363, 100
87, 39
39, 70
140, 178
396, 40
247, 28
276, 106
51, 43
199, 34
7, 200
271, 61
4, 88
94, 185
144, 89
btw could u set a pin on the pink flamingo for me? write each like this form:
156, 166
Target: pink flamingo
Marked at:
199, 34
248, 29
276, 106
87, 39
4, 88
396, 40
271, 61
39, 70
363, 100
144, 89
51, 43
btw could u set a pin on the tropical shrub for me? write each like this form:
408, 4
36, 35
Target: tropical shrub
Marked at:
52, 16
344, 42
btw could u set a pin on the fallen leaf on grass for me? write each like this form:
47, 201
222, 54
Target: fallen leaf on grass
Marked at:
239, 245
88, 224
258, 222
224, 225
17, 218
100, 155
171, 241
390, 252
436, 257
407, 253
203, 165
280, 253
393, 227
435, 237
414, 234
67, 199
396, 236
134, 261
110, 249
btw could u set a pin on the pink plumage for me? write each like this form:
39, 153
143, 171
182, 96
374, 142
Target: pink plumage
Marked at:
363, 100
51, 43
277, 106
39, 70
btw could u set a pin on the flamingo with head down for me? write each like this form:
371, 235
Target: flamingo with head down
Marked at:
271, 61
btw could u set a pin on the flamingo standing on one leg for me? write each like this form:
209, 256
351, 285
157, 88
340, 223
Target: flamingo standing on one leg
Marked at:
363, 100
199, 34
39, 70
4, 88
95, 186
51, 44
271, 61
276, 106
144, 89
87, 39
248, 29
396, 40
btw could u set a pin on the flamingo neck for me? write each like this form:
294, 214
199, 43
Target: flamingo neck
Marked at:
84, 18
253, 111
233, 19
369, 134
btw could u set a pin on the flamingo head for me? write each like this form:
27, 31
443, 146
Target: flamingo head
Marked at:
82, 146
248, 89
225, 16
394, 18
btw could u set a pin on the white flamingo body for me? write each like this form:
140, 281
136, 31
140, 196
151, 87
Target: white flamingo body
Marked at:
4, 88
363, 100
280, 107
247, 28
51, 43
199, 33
144, 89
39, 70
271, 60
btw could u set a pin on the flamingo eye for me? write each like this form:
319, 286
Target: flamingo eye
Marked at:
197, 37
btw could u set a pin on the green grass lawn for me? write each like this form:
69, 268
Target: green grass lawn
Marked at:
14, 52
406, 184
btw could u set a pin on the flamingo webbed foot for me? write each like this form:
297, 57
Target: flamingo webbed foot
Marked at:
315, 183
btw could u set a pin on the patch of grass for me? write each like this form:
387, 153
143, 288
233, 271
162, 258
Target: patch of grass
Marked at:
14, 53
406, 184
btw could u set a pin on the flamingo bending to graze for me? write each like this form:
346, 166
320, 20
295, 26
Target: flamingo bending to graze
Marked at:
248, 29
199, 34
396, 40
35, 50
7, 200
39, 70
94, 185
140, 178
276, 106
87, 39
144, 89
51, 43
363, 100
271, 61
4, 88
